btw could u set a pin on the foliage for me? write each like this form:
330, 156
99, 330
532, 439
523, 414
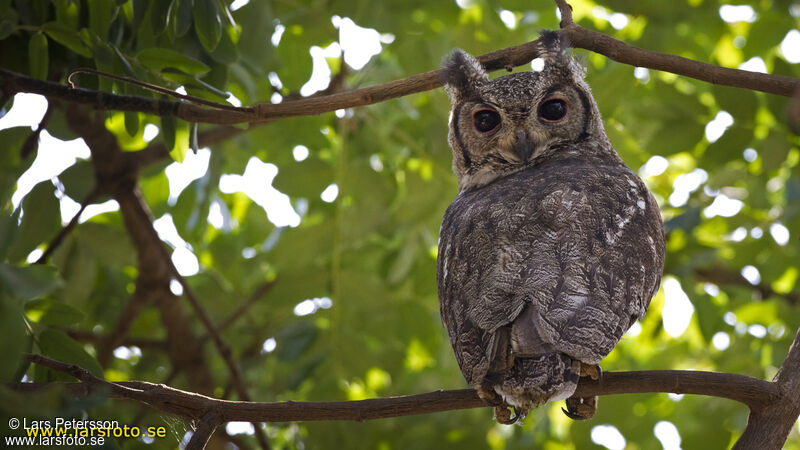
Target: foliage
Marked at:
372, 251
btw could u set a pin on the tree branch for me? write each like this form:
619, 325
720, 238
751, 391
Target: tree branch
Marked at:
11, 82
755, 393
768, 428
621, 52
118, 177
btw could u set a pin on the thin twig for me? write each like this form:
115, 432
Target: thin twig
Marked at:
53, 245
150, 87
260, 292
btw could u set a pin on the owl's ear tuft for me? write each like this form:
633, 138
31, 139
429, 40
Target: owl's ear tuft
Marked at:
462, 74
554, 50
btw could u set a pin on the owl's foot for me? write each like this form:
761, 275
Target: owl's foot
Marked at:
489, 396
501, 408
583, 408
503, 415
592, 371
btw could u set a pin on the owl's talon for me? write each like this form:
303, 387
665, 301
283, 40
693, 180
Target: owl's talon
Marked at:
503, 415
571, 415
581, 408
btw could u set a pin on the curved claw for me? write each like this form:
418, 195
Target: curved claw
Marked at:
502, 415
572, 415
581, 408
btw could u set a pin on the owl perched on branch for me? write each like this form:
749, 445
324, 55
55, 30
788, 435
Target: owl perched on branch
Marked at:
553, 247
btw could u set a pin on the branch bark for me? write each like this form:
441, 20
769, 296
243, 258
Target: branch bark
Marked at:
755, 393
579, 37
767, 428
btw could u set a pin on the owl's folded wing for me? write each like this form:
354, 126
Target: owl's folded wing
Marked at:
570, 271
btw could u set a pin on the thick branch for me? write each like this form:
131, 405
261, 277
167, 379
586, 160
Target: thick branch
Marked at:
751, 391
117, 176
768, 428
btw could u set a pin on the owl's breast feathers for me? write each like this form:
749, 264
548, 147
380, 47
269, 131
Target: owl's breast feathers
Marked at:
559, 258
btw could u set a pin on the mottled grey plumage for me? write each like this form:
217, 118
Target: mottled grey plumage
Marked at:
553, 247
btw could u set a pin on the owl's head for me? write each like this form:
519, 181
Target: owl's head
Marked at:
500, 126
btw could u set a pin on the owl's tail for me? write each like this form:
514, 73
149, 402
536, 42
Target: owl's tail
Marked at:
538, 379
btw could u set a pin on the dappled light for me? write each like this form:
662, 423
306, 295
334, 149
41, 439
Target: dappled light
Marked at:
273, 236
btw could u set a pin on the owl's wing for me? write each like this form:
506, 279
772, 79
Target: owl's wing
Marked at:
541, 262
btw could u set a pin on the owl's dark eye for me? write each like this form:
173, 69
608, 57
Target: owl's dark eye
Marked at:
553, 110
486, 120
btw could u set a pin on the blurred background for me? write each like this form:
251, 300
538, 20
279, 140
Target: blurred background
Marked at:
317, 236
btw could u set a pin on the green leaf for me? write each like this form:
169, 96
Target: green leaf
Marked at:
740, 103
304, 179
101, 14
295, 339
158, 59
57, 345
11, 163
180, 141
58, 127
67, 37
160, 15
8, 231
207, 23
14, 340
38, 57
109, 244
226, 52
52, 312
168, 132
182, 17
67, 13
189, 81
29, 282
132, 123
774, 150
40, 220
8, 23
78, 180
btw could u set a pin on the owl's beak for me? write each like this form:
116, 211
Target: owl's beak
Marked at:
523, 147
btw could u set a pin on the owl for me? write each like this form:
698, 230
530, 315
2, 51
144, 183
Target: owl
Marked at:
552, 248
